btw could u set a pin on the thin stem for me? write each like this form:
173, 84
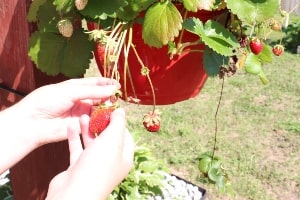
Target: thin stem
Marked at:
182, 31
216, 119
147, 75
126, 67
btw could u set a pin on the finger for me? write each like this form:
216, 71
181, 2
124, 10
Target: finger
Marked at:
82, 92
116, 126
128, 150
84, 125
94, 81
75, 146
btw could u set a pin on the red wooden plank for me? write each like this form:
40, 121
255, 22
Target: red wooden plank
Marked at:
30, 178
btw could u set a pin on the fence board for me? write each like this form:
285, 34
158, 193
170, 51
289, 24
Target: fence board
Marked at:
30, 177
288, 5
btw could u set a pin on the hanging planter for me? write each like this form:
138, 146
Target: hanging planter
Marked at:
173, 79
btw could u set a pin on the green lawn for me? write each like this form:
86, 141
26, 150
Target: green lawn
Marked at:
258, 132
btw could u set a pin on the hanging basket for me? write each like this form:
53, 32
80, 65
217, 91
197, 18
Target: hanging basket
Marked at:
174, 80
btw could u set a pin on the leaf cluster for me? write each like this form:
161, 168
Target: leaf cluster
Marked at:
213, 171
144, 180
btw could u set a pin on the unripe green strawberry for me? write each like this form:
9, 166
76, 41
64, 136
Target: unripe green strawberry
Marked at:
80, 4
65, 27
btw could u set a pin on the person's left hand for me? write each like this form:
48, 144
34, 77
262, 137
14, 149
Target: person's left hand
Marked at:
49, 109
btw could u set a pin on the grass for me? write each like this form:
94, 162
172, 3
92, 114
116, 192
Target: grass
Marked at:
258, 134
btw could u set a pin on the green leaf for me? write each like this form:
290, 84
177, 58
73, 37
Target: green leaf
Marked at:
204, 164
266, 54
48, 17
253, 11
162, 24
33, 10
221, 181
101, 9
54, 54
214, 35
214, 174
212, 62
133, 9
148, 166
63, 6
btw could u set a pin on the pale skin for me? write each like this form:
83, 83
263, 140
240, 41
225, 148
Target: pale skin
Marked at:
61, 111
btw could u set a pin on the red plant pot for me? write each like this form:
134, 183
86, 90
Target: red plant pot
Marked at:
174, 80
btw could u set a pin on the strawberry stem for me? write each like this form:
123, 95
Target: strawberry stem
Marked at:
145, 72
216, 118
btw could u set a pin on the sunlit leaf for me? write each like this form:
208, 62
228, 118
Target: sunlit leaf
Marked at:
214, 35
266, 54
252, 11
162, 24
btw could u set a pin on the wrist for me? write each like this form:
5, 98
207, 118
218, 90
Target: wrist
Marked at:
16, 139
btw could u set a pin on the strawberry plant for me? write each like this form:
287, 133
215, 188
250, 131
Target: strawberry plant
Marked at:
144, 180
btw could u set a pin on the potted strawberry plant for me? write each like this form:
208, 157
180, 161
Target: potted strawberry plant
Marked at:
160, 51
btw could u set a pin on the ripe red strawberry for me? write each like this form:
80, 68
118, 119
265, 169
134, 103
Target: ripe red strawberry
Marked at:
65, 27
256, 45
278, 49
151, 121
100, 118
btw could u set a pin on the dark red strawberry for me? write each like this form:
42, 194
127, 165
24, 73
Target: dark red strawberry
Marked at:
151, 121
243, 41
278, 49
256, 45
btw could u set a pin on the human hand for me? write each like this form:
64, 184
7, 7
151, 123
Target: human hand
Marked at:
49, 109
95, 171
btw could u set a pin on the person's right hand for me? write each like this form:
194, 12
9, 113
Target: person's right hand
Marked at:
95, 171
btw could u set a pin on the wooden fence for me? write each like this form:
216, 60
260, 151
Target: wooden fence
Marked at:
18, 75
288, 5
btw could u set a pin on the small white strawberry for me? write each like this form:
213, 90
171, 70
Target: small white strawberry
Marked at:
80, 4
65, 27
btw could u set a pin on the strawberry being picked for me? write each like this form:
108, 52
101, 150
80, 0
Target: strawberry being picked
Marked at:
151, 121
100, 116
